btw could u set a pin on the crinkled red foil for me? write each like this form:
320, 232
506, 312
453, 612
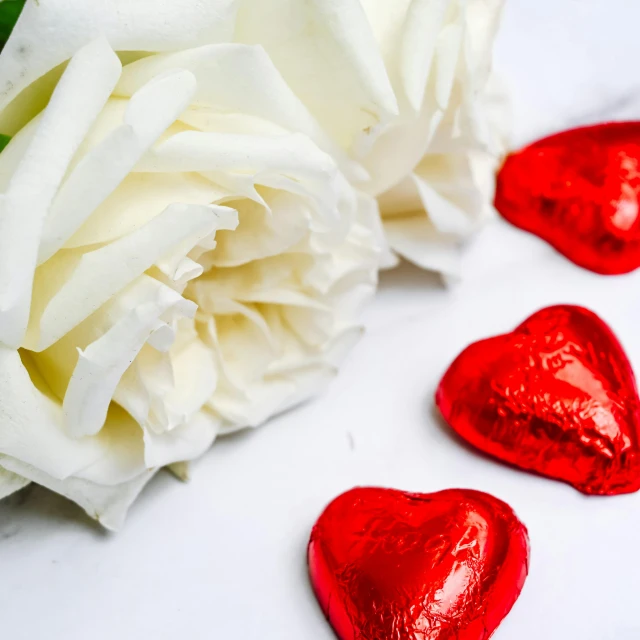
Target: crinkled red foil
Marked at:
579, 191
556, 396
390, 565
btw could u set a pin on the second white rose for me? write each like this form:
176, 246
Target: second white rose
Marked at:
405, 88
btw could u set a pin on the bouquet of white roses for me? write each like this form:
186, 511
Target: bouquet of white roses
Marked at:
190, 212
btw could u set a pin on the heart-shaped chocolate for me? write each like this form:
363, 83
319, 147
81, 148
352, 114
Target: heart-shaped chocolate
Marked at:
580, 191
390, 565
556, 396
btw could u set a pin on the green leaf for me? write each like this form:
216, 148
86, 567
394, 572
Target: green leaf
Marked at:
9, 13
4, 141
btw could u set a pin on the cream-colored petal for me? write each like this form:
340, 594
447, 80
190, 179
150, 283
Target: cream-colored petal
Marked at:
276, 273
419, 44
271, 397
149, 112
369, 220
72, 285
242, 82
51, 31
165, 391
417, 240
398, 150
195, 377
262, 233
33, 432
387, 21
138, 199
244, 350
143, 387
209, 118
189, 441
201, 151
327, 53
433, 169
83, 91
15, 151
103, 362
57, 363
240, 162
11, 482
448, 51
108, 504
444, 213
482, 19
407, 34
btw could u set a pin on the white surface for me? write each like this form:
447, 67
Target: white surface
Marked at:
224, 557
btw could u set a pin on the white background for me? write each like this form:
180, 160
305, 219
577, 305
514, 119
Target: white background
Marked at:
224, 557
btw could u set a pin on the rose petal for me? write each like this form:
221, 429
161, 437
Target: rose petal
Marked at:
50, 32
448, 139
407, 33
138, 199
420, 44
326, 52
267, 232
11, 482
83, 90
102, 363
30, 414
417, 240
271, 397
239, 162
57, 363
149, 112
71, 286
407, 141
188, 441
106, 504
239, 79
445, 214
15, 151
225, 152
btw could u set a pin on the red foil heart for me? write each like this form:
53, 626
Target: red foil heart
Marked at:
556, 396
390, 565
579, 191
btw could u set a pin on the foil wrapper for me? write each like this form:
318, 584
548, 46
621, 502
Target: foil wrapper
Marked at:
557, 396
390, 565
579, 191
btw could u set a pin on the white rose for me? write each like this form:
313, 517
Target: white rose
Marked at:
180, 255
422, 111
